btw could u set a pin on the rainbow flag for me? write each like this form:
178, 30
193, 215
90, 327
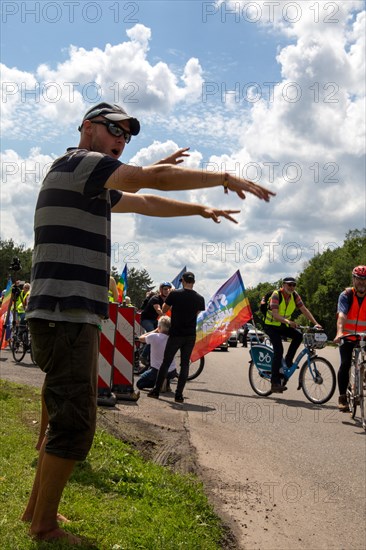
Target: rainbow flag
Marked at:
227, 310
6, 299
122, 285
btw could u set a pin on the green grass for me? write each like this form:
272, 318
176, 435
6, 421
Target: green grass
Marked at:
115, 499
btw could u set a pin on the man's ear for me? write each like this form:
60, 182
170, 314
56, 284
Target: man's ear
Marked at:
87, 127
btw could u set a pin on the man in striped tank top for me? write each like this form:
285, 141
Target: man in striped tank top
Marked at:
70, 279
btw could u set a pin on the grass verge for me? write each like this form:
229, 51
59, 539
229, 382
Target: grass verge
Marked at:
115, 499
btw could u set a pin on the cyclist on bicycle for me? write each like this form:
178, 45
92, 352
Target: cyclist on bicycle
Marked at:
351, 317
278, 324
22, 303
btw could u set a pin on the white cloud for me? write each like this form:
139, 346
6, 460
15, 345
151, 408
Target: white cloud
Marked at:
120, 73
21, 179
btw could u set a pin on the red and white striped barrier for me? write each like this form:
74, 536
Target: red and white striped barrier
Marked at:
117, 355
139, 329
106, 353
123, 359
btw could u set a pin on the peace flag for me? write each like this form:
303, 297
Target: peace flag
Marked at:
6, 298
122, 285
227, 310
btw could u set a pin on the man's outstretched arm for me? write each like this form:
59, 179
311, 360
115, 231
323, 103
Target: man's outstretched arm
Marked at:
153, 205
168, 177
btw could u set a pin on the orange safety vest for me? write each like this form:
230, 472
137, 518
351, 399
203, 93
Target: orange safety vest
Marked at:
356, 316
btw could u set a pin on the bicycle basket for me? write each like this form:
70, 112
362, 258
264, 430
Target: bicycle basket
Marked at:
315, 340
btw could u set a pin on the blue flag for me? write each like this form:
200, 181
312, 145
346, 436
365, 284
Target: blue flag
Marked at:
176, 282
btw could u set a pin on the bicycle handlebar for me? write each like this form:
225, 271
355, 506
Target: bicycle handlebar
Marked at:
358, 335
306, 328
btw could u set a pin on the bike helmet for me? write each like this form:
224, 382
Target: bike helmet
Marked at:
359, 272
165, 283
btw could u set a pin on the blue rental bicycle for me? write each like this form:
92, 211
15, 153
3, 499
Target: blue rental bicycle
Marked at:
317, 378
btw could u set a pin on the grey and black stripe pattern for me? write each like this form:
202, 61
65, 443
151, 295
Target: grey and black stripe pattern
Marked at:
71, 258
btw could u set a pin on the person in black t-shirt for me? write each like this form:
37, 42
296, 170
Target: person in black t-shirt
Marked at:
185, 304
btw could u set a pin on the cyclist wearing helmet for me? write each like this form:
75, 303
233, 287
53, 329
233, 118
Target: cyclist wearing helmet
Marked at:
351, 317
150, 315
278, 324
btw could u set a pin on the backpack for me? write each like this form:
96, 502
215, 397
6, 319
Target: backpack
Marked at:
263, 306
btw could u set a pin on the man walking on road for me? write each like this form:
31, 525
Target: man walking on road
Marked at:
185, 304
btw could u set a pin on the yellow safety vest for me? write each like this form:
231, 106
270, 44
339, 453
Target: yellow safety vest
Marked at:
22, 299
286, 310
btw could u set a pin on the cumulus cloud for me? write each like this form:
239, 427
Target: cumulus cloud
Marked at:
119, 73
21, 180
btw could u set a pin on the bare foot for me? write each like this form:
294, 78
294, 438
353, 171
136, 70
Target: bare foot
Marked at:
62, 518
58, 534
59, 517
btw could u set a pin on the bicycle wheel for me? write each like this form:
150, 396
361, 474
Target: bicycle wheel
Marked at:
18, 347
317, 380
362, 397
195, 368
362, 410
260, 381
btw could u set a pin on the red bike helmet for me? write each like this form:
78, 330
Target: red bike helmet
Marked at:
359, 272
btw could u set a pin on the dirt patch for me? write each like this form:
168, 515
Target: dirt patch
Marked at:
163, 445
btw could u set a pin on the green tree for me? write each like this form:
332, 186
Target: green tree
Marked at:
8, 250
327, 274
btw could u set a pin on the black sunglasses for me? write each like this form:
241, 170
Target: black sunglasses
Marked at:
114, 129
290, 284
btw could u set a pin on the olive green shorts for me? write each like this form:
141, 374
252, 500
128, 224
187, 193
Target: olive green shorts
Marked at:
68, 354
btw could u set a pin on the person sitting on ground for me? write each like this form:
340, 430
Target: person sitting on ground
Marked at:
278, 324
157, 340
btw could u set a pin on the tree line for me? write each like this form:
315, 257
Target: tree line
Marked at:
319, 283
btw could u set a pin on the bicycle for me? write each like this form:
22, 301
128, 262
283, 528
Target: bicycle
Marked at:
195, 368
357, 381
317, 377
21, 343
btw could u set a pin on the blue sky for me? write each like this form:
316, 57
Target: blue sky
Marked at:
271, 90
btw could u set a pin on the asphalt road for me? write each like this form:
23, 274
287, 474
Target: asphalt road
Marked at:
292, 474
288, 474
